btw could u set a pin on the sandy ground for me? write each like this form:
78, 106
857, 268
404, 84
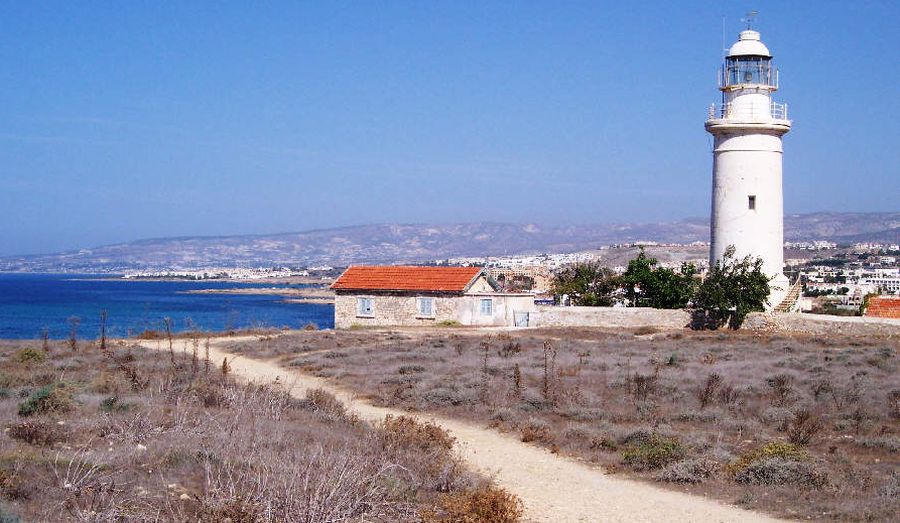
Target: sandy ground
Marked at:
553, 488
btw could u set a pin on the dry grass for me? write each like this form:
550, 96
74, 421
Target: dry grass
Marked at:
677, 407
133, 435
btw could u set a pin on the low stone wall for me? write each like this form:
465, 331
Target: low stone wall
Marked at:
632, 317
823, 325
621, 317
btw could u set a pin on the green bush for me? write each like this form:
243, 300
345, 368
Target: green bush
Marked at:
653, 452
771, 450
28, 356
56, 397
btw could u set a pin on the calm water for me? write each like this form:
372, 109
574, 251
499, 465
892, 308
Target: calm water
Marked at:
31, 302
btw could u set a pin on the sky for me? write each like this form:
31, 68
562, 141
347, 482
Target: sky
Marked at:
121, 121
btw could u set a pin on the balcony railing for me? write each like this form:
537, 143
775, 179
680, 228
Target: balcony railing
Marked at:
776, 111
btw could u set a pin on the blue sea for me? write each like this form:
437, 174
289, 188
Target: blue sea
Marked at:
30, 303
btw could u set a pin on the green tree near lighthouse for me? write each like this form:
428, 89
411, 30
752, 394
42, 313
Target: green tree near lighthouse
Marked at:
647, 285
733, 289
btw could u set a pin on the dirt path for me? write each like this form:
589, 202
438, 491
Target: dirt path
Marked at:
553, 488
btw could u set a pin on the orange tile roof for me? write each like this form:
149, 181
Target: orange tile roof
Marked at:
883, 307
406, 278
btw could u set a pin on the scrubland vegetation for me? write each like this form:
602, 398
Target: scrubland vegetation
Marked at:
793, 425
109, 433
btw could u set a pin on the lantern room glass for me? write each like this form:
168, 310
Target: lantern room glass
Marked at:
754, 70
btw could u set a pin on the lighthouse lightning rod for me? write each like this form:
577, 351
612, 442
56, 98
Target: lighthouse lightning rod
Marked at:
750, 18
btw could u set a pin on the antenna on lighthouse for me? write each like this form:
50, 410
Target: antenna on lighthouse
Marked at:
750, 19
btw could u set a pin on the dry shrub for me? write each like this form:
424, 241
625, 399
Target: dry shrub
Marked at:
803, 427
780, 471
107, 383
233, 511
776, 453
893, 401
645, 330
271, 402
131, 429
486, 504
707, 392
327, 406
537, 431
38, 433
411, 369
653, 452
53, 398
150, 334
888, 443
11, 487
642, 386
821, 388
891, 489
692, 471
114, 404
510, 348
310, 327
782, 388
729, 394
407, 432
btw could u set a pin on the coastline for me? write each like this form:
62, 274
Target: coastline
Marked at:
319, 294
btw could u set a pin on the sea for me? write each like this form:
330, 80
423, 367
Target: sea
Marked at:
31, 303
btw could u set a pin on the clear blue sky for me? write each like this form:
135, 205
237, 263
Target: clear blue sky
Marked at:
129, 120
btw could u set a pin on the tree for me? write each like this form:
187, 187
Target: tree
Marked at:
647, 285
586, 283
733, 289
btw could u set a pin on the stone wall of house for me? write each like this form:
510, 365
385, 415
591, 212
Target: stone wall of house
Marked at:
392, 310
504, 308
621, 317
402, 310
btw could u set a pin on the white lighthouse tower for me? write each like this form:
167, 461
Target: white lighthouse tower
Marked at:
747, 208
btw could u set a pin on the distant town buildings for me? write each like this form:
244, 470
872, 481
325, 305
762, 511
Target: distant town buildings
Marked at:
227, 273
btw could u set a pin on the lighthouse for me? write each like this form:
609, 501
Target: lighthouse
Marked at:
747, 203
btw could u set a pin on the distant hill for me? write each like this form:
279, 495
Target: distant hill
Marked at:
391, 243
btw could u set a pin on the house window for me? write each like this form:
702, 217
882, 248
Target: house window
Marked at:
751, 202
364, 307
486, 307
426, 307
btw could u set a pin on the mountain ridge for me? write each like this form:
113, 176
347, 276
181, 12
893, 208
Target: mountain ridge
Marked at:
395, 243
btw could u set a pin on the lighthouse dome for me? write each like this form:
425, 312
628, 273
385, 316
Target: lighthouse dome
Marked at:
749, 45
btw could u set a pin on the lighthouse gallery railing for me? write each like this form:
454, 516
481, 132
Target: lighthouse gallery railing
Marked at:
776, 111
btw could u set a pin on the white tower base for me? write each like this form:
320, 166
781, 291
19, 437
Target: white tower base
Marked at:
747, 200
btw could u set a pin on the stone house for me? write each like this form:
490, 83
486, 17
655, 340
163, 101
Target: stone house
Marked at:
410, 296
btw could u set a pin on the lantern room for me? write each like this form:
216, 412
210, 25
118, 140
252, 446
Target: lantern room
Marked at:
748, 64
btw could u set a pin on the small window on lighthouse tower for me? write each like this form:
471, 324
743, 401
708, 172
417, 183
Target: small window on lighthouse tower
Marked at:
751, 202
